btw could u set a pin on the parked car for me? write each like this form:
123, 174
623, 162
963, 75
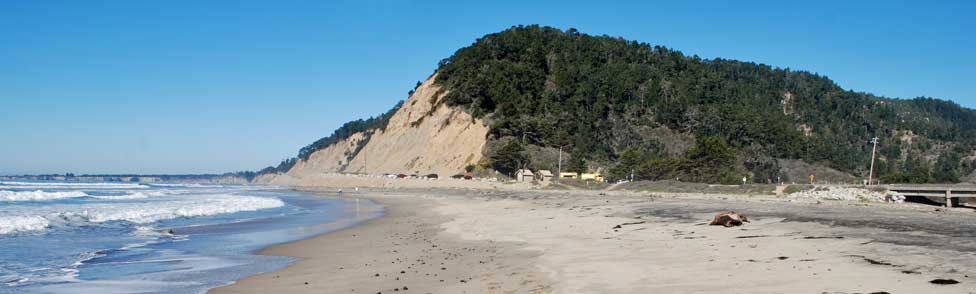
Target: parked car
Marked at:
401, 176
458, 176
431, 176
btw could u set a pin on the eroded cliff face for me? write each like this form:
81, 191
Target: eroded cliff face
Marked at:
332, 159
422, 137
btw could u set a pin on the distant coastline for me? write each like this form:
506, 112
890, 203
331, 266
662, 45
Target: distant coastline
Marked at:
225, 178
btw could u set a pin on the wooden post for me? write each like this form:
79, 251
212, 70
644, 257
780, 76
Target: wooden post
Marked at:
948, 198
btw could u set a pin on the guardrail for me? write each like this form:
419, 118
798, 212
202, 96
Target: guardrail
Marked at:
946, 192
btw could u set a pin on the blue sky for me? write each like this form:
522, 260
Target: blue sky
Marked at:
214, 86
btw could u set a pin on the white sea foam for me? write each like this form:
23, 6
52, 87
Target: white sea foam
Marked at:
142, 213
133, 195
54, 185
16, 281
123, 197
18, 224
138, 213
38, 195
147, 231
110, 217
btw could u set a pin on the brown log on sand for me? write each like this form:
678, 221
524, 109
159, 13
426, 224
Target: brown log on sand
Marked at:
729, 219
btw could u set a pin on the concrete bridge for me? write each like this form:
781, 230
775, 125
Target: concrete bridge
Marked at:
949, 193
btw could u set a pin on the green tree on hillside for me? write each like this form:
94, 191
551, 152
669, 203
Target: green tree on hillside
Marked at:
628, 163
508, 158
551, 88
604, 96
711, 160
946, 168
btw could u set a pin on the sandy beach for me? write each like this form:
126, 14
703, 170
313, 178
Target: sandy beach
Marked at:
489, 241
407, 249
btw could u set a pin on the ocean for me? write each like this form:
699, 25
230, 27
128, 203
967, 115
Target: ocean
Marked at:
69, 237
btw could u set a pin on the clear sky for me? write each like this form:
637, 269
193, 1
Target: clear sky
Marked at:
214, 86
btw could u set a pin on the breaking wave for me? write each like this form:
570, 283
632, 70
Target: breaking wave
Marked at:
131, 196
18, 224
137, 213
38, 195
53, 185
141, 213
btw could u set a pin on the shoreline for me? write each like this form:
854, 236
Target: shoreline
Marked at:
403, 250
364, 213
205, 238
494, 241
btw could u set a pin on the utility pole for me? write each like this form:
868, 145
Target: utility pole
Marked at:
873, 149
559, 169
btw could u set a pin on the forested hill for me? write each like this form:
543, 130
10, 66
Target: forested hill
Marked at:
623, 107
630, 105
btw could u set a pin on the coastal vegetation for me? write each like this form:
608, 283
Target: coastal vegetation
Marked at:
602, 96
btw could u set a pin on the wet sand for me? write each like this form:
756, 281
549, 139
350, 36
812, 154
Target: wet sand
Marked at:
487, 241
406, 251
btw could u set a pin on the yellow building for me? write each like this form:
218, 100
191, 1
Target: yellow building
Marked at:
592, 177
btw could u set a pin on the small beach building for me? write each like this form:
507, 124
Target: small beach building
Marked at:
544, 175
524, 174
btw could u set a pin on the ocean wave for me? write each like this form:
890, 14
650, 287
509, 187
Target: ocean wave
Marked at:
38, 195
142, 214
136, 213
133, 195
13, 281
123, 197
20, 224
147, 231
193, 185
54, 185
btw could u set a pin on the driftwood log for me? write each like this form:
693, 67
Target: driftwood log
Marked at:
729, 219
